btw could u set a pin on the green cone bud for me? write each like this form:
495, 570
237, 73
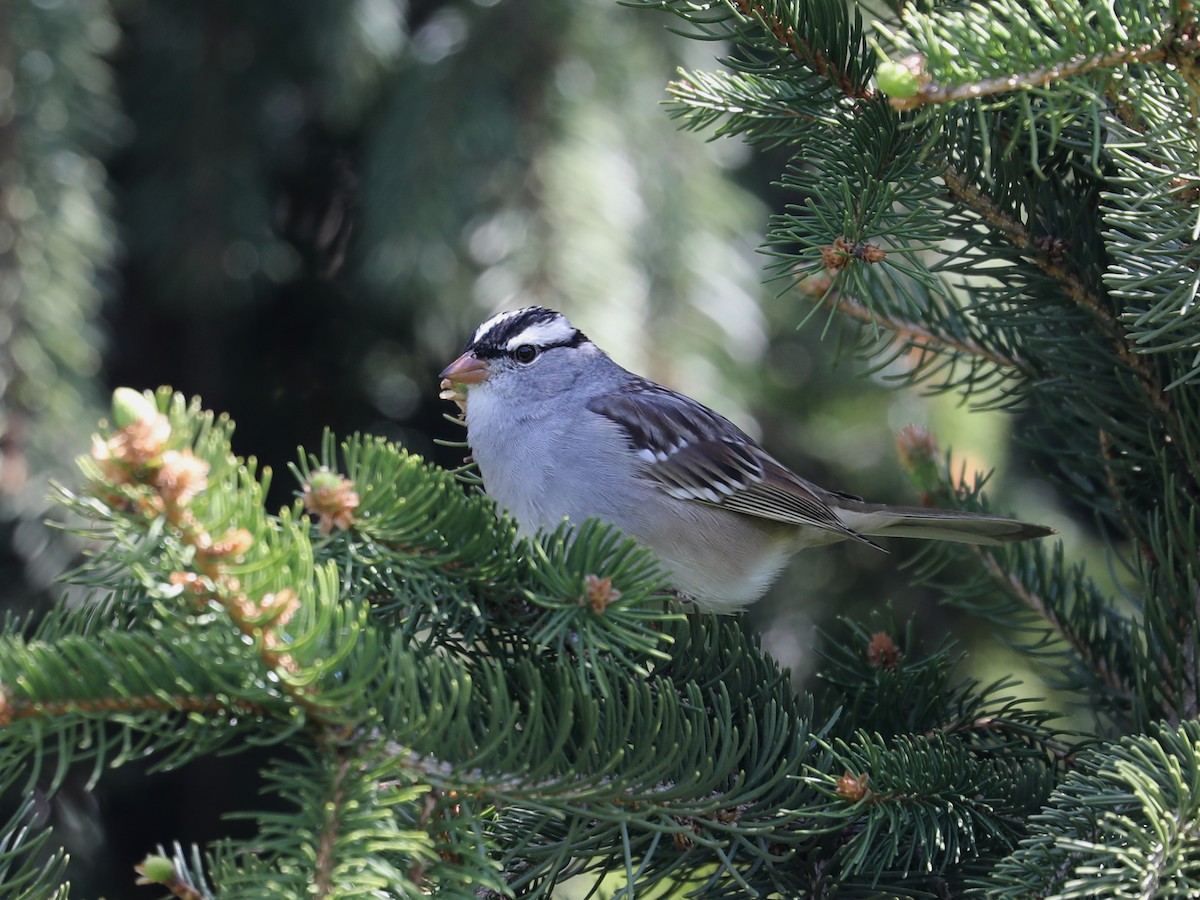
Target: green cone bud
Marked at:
130, 406
896, 79
158, 870
325, 480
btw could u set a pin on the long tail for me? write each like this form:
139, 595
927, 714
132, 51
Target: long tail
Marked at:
881, 520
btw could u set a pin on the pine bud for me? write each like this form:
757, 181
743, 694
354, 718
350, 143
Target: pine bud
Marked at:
130, 407
900, 80
332, 498
837, 255
181, 477
919, 455
235, 543
852, 788
882, 652
599, 592
325, 480
156, 870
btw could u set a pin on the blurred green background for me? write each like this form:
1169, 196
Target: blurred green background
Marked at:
299, 211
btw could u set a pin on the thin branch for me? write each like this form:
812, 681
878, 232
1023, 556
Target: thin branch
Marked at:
1181, 55
1018, 235
921, 336
326, 857
802, 50
1010, 582
513, 789
12, 709
1055, 748
1133, 522
930, 93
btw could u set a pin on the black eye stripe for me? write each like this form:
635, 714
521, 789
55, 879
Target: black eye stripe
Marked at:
496, 342
488, 351
484, 351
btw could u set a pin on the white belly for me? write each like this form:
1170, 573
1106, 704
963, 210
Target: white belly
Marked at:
523, 478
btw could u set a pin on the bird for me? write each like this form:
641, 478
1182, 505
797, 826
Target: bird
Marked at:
559, 430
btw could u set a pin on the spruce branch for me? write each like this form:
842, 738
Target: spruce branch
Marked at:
159, 869
1097, 308
1008, 579
1030, 45
111, 697
761, 109
31, 867
868, 217
990, 725
903, 691
342, 835
1151, 219
771, 18
137, 462
1148, 462
975, 199
121, 704
819, 43
1120, 495
913, 806
1123, 823
932, 343
1022, 584
323, 876
408, 518
930, 93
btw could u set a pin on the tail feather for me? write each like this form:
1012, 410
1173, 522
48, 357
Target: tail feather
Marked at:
881, 520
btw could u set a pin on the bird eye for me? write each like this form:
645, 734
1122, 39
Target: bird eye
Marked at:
526, 353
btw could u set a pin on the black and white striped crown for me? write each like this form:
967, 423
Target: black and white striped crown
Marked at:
535, 325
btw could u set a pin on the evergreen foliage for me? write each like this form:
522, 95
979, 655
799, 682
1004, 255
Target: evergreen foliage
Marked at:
450, 710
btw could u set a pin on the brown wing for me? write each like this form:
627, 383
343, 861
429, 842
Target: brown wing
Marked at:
695, 454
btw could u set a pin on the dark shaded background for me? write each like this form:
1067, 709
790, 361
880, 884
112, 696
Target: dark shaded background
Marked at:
298, 211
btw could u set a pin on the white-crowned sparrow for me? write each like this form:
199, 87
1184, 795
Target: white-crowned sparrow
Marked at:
560, 430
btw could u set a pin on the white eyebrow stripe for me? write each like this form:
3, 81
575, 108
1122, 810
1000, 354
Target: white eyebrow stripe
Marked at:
493, 322
543, 334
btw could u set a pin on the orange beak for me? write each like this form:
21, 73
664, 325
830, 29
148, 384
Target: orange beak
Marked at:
467, 369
